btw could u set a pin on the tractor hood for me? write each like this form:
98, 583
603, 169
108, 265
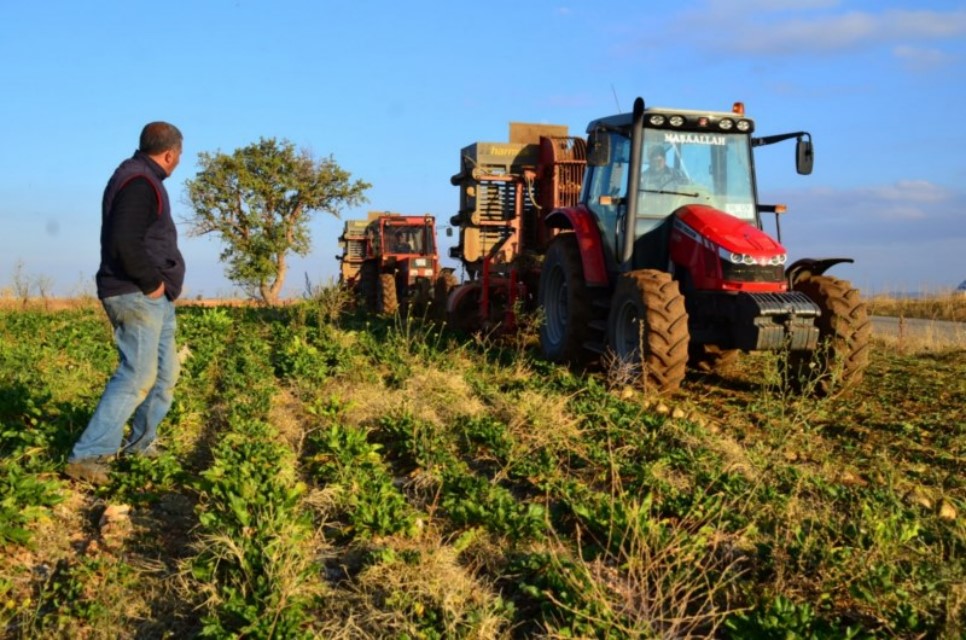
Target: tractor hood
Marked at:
728, 232
720, 252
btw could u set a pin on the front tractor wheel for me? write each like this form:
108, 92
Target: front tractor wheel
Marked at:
387, 302
562, 296
647, 329
844, 331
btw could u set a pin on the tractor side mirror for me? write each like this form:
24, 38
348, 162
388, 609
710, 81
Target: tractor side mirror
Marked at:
598, 148
804, 155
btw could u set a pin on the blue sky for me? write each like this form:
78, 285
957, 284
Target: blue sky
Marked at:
393, 91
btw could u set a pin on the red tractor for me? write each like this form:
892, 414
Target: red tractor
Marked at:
391, 261
645, 242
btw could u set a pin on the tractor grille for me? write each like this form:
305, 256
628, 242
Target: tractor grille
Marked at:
751, 272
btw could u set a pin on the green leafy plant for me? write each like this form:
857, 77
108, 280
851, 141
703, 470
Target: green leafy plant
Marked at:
782, 618
25, 498
371, 502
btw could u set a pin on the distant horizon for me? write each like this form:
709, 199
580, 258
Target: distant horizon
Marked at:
8, 290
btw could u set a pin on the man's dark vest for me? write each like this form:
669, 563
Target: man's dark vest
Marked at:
160, 241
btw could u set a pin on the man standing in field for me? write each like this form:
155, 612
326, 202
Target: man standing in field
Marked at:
140, 277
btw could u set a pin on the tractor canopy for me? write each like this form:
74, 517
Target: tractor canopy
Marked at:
638, 177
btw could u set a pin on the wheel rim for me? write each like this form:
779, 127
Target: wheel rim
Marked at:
555, 306
627, 336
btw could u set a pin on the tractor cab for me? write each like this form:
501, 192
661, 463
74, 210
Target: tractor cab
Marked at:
409, 243
682, 158
678, 192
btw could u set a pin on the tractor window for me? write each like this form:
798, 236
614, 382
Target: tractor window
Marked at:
410, 239
423, 244
682, 168
606, 188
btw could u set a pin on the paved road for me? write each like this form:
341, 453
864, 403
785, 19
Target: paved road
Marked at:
938, 332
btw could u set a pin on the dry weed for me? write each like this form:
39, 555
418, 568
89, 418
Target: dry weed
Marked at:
659, 577
417, 587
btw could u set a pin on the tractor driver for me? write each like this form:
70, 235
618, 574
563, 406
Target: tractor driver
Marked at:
658, 175
402, 244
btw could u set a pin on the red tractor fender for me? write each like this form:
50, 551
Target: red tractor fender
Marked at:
811, 267
581, 221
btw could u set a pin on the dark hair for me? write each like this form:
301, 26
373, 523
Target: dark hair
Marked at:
158, 137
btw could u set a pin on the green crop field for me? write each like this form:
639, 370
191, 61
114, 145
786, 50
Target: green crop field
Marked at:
336, 476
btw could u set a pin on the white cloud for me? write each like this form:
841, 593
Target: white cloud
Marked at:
918, 59
908, 235
918, 191
909, 210
790, 28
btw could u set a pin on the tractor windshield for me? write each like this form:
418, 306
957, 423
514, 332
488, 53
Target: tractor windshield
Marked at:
686, 167
411, 239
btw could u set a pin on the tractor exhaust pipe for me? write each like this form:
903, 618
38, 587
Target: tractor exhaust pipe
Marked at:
633, 184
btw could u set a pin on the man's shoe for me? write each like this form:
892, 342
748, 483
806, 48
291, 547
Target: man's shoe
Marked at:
152, 452
89, 470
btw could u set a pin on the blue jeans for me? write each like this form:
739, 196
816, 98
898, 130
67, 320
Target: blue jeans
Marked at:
142, 385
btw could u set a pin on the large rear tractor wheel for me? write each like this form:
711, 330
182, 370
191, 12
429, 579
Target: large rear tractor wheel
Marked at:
647, 329
844, 331
387, 302
565, 303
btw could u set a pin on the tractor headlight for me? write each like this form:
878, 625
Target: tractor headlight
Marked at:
676, 121
726, 124
744, 125
743, 258
657, 120
739, 258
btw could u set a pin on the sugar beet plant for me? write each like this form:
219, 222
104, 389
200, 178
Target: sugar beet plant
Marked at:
369, 501
252, 562
42, 405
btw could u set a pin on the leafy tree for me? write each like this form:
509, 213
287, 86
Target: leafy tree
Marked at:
260, 200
